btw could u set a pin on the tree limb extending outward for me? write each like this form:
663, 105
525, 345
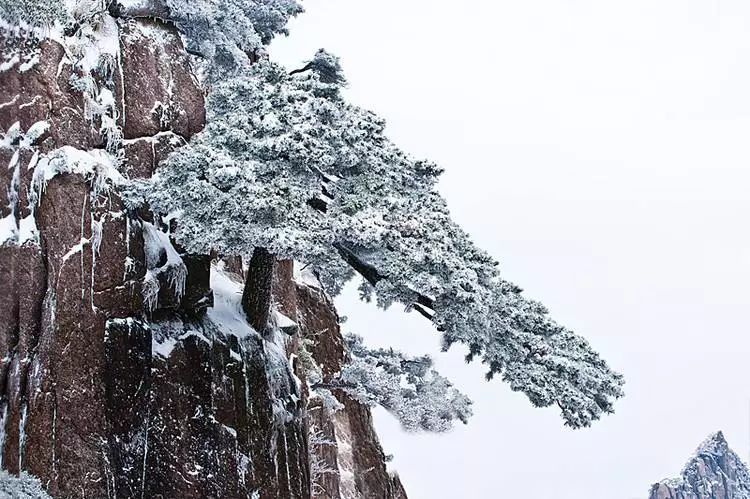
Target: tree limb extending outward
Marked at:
373, 276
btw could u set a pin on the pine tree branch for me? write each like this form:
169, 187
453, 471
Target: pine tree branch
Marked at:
373, 276
333, 385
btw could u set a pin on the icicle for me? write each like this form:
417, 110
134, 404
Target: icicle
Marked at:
96, 242
158, 245
150, 291
22, 435
3, 423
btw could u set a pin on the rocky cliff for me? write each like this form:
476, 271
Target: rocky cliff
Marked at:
128, 368
714, 472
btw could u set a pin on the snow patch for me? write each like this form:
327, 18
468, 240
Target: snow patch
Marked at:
283, 321
27, 230
303, 274
227, 311
163, 348
174, 139
31, 61
22, 435
9, 63
134, 4
167, 335
230, 430
11, 135
8, 229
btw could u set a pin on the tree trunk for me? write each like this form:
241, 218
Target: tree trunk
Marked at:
256, 297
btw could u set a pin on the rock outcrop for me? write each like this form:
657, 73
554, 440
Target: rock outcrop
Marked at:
714, 472
128, 368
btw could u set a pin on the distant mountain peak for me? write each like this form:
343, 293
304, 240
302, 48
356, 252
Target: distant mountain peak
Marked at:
715, 444
714, 472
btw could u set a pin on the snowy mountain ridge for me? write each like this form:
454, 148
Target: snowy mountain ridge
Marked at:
714, 472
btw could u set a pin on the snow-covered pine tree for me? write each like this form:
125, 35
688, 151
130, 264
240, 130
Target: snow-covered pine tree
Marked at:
286, 164
37, 13
407, 387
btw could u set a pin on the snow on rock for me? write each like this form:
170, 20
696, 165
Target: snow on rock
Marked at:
3, 425
95, 53
169, 97
24, 486
284, 384
167, 335
346, 463
96, 166
284, 323
183, 386
162, 261
13, 230
8, 229
227, 315
95, 42
29, 61
714, 472
227, 311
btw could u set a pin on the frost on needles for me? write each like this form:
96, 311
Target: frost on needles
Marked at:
287, 165
419, 397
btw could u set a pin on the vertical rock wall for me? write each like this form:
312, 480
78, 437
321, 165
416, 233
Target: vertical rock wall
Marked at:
102, 396
352, 452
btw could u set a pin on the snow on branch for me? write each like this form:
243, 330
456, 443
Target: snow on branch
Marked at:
276, 141
327, 65
407, 387
319, 467
33, 13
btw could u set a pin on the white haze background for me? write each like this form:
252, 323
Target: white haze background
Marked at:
600, 150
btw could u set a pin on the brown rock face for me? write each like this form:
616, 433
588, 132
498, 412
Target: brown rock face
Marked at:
161, 93
351, 447
40, 93
102, 396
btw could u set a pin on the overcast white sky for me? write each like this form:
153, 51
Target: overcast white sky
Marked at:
600, 150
